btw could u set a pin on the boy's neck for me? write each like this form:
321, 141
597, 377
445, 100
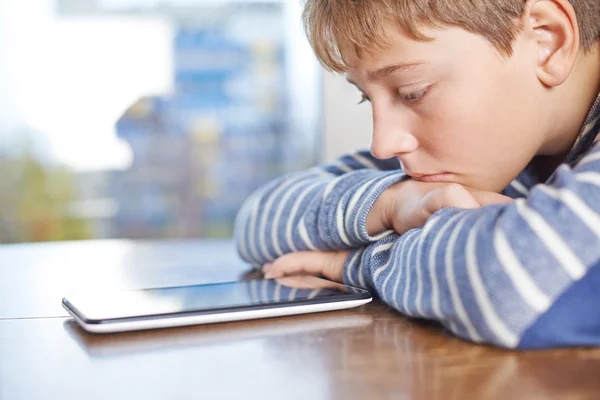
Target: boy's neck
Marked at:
572, 102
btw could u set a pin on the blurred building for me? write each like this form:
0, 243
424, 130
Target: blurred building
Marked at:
200, 151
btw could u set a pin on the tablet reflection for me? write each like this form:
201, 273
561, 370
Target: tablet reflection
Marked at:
205, 335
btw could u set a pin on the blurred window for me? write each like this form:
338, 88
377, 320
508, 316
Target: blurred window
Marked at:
148, 118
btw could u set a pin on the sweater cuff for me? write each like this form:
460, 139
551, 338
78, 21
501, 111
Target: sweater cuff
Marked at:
357, 219
364, 266
353, 274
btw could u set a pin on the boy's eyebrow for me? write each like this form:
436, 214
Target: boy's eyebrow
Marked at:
390, 69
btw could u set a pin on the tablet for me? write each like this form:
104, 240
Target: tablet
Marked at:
118, 311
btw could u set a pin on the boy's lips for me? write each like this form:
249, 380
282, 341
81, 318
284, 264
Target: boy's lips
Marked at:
442, 177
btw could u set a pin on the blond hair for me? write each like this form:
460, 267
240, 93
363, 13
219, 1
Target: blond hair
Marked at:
335, 27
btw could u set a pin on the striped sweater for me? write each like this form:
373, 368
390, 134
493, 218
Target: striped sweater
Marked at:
520, 275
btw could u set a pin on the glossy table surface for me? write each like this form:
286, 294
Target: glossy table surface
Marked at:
365, 353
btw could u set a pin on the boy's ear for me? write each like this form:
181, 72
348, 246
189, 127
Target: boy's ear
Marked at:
556, 32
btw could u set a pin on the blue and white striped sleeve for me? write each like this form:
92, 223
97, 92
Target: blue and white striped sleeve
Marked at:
324, 208
489, 275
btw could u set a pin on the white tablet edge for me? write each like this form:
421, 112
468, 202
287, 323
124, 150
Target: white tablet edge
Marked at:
169, 321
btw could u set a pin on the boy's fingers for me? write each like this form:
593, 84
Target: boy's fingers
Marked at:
452, 195
304, 262
328, 264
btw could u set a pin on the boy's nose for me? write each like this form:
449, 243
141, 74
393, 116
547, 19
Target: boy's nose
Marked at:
385, 145
391, 133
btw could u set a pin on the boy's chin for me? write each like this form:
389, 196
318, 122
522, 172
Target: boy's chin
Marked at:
485, 184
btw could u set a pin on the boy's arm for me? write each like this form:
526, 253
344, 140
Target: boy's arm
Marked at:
318, 209
490, 274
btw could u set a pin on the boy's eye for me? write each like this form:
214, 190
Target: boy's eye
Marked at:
364, 98
413, 97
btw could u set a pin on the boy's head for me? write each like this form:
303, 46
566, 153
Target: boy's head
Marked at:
473, 89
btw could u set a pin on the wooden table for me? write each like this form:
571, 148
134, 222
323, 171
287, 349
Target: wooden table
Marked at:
367, 353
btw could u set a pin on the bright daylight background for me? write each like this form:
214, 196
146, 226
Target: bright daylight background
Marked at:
148, 119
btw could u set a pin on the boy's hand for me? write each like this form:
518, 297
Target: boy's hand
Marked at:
410, 203
318, 263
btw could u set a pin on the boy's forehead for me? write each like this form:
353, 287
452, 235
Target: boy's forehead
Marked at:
403, 53
400, 53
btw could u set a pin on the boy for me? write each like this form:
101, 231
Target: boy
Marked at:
480, 204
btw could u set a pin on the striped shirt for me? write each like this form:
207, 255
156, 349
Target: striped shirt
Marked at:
520, 275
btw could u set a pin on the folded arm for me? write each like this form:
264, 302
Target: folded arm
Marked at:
318, 209
489, 274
